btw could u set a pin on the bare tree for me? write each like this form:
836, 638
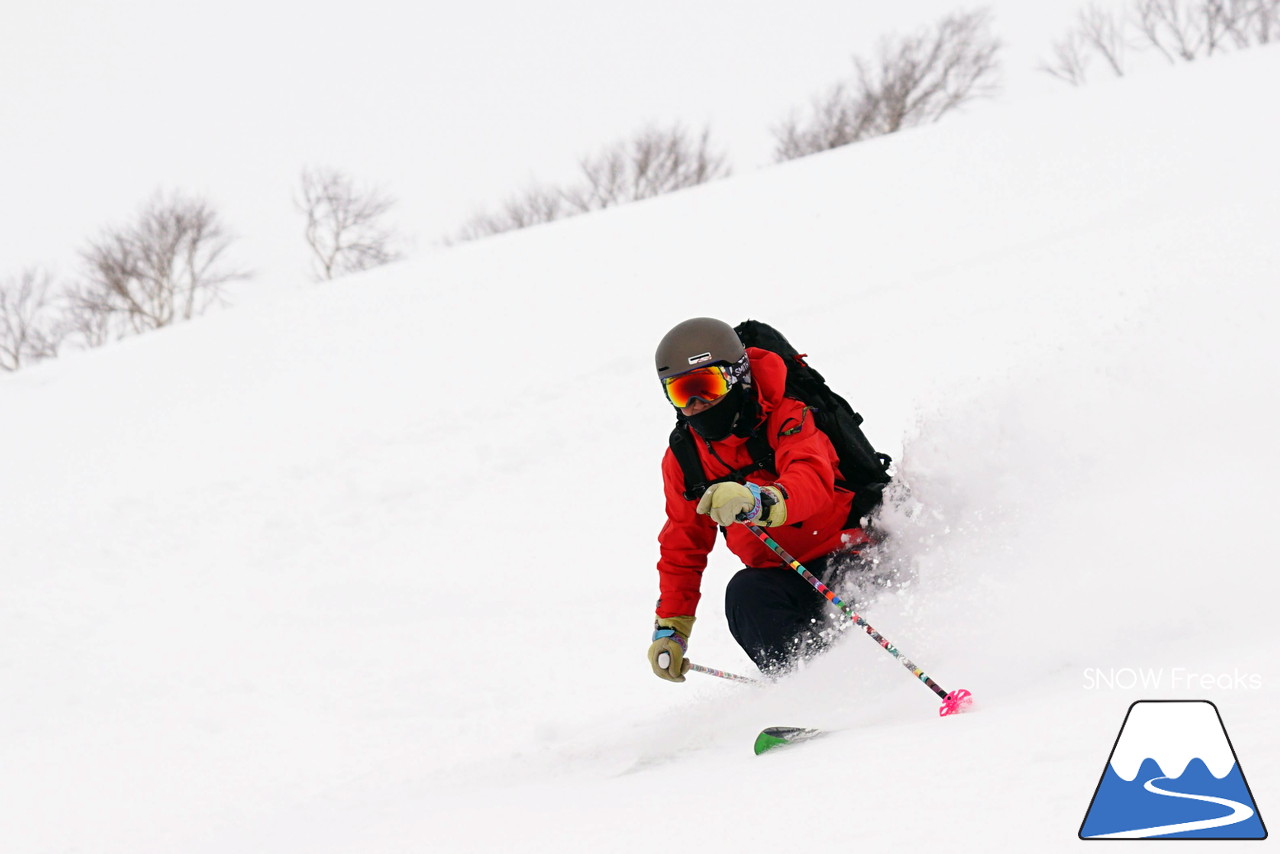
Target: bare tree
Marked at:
1181, 30
915, 79
1178, 30
837, 118
1104, 32
165, 267
1265, 21
345, 223
1070, 59
533, 206
650, 163
1098, 32
86, 317
29, 326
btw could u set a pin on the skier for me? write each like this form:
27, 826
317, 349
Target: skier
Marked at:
726, 393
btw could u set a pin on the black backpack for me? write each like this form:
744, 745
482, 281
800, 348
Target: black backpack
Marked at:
863, 470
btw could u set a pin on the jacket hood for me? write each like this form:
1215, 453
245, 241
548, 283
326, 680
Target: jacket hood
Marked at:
769, 377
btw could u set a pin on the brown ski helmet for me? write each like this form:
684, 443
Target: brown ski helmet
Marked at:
696, 342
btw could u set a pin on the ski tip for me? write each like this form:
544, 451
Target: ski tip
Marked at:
778, 736
765, 741
956, 702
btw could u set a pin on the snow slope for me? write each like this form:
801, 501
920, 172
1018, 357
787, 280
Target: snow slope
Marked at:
370, 568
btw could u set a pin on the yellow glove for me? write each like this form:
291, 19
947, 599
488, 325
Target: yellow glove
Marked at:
731, 502
670, 642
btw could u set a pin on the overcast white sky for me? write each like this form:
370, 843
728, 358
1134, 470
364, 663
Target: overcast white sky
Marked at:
448, 106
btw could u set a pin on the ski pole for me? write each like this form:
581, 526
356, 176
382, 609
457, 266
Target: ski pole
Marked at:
952, 702
710, 671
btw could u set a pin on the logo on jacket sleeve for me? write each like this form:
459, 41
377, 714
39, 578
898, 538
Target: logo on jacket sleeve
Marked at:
1173, 774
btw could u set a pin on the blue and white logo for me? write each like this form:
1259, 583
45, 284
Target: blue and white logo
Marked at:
1173, 774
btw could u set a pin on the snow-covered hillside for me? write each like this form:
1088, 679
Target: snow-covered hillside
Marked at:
370, 568
450, 107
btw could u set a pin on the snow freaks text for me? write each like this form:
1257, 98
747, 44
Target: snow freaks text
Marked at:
1168, 679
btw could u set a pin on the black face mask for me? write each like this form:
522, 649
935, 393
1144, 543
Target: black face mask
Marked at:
720, 420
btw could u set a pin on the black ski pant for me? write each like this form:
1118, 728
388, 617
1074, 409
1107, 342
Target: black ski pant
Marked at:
775, 615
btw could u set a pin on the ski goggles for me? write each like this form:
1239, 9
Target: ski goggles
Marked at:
707, 384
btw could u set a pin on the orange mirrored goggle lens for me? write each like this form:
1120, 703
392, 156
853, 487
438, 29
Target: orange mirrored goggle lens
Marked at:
707, 384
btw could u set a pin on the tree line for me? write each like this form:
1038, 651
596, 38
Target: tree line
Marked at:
1113, 37
172, 261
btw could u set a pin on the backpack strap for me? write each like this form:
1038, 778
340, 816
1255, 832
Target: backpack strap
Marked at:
695, 476
865, 499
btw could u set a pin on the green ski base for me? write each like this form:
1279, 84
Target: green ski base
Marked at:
779, 736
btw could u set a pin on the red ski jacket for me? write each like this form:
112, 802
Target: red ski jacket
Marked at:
817, 510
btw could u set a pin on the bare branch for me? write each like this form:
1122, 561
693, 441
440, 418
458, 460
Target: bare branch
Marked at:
1265, 21
163, 268
837, 118
1104, 33
915, 79
652, 162
1186, 31
1170, 27
91, 316
345, 227
1243, 23
1070, 59
533, 206
29, 328
1178, 30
